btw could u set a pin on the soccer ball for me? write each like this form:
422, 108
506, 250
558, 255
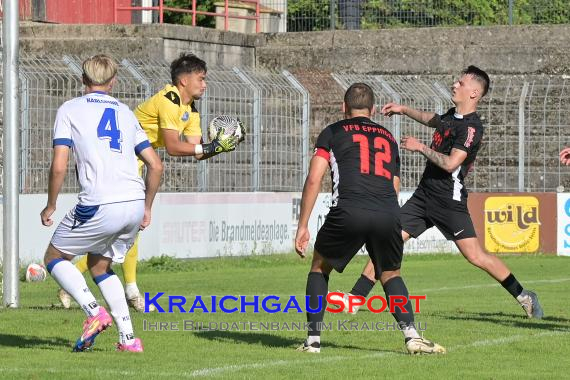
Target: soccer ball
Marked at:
35, 273
229, 125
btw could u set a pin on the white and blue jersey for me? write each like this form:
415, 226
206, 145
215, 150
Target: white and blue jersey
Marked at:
105, 137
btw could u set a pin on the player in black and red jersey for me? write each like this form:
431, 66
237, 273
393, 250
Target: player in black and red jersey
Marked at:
441, 196
365, 169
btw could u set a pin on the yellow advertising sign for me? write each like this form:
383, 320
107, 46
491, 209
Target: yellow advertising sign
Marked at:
511, 224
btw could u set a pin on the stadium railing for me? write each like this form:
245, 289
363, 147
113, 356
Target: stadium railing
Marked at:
227, 14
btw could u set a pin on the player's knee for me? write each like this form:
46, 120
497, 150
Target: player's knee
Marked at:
478, 258
98, 264
323, 267
388, 275
52, 254
369, 271
319, 264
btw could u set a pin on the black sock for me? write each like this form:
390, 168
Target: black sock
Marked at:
512, 285
317, 285
396, 287
362, 287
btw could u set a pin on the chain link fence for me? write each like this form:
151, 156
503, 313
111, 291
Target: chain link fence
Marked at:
273, 106
526, 126
313, 15
525, 117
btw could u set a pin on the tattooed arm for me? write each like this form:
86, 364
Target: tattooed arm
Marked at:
423, 117
448, 163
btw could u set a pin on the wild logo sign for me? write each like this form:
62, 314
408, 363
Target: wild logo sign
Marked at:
512, 224
274, 304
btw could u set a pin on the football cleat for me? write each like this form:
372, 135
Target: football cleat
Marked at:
91, 328
64, 298
344, 299
137, 302
530, 304
135, 347
313, 348
423, 346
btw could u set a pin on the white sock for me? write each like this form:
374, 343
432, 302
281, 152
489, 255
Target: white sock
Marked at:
312, 339
73, 282
114, 294
410, 332
131, 289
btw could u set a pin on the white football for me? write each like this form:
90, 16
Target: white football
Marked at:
35, 273
230, 126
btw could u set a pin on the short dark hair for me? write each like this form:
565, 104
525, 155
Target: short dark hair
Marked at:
186, 63
359, 96
480, 76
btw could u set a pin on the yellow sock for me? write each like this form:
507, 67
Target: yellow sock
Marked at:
81, 264
130, 264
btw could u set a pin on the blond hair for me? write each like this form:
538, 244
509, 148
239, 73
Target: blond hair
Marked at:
99, 70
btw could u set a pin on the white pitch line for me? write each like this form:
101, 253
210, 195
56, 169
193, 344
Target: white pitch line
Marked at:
441, 289
206, 372
508, 339
478, 286
214, 371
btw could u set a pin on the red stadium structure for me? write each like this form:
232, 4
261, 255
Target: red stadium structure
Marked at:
118, 11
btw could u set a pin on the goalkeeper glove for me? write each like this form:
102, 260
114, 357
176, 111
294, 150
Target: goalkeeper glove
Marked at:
220, 144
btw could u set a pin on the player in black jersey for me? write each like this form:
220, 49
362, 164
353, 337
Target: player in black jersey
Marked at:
365, 169
441, 196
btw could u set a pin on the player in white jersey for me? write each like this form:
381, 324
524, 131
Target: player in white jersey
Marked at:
114, 203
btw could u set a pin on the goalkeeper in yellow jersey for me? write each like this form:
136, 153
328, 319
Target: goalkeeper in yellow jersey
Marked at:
171, 120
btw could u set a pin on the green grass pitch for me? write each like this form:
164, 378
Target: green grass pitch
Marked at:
486, 333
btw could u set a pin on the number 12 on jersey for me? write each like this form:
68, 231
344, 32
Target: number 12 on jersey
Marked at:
109, 130
381, 157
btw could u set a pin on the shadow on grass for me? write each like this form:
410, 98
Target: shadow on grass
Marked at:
8, 340
267, 340
551, 323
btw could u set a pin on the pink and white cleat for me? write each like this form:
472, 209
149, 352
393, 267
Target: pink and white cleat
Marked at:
135, 347
91, 328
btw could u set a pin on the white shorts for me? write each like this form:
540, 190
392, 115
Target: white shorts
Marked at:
109, 230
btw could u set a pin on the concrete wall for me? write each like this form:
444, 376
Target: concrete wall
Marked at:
141, 41
500, 50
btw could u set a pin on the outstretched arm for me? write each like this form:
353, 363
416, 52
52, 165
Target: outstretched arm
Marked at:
448, 163
423, 117
192, 146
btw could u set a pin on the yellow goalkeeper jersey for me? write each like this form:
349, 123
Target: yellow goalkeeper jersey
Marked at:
165, 110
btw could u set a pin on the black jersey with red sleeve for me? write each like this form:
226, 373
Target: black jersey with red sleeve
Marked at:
452, 131
364, 159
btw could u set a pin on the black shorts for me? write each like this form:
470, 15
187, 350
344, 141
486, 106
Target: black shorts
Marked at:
423, 211
347, 229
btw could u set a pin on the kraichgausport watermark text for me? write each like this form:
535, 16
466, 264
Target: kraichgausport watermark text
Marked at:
275, 304
339, 325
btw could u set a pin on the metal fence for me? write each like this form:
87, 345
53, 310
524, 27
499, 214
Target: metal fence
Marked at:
312, 15
273, 106
525, 117
526, 125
